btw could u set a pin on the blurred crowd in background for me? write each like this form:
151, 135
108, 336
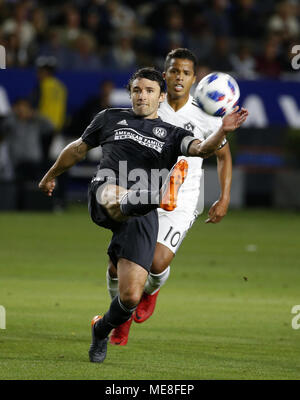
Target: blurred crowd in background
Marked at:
249, 37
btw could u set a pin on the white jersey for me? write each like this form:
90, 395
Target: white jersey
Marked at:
192, 118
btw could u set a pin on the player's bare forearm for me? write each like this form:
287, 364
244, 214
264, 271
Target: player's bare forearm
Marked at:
207, 147
70, 155
224, 167
219, 209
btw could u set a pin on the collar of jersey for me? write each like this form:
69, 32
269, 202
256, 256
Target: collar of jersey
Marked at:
190, 99
158, 119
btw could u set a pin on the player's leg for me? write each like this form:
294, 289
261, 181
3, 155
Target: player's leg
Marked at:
142, 201
159, 273
132, 278
119, 335
173, 227
121, 203
109, 196
133, 240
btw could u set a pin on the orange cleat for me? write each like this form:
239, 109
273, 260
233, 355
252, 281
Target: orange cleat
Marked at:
119, 335
145, 308
96, 319
173, 183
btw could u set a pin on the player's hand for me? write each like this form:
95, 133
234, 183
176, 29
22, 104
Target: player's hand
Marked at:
47, 186
235, 119
217, 211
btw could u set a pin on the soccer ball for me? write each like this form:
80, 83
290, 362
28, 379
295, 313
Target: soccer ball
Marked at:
217, 94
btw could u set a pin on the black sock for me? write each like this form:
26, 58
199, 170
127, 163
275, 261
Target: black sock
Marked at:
139, 202
115, 316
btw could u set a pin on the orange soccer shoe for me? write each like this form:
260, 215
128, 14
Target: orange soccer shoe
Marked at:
146, 307
172, 185
119, 335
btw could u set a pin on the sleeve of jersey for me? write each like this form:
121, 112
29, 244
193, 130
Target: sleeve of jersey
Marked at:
92, 134
185, 138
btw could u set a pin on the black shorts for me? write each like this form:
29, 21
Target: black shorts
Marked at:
134, 239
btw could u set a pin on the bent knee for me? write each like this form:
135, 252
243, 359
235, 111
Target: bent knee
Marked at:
130, 298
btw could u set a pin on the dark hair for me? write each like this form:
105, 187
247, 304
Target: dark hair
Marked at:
182, 54
148, 73
48, 63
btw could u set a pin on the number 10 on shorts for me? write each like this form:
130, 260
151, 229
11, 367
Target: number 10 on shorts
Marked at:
173, 237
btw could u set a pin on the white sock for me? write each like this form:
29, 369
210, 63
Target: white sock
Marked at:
156, 281
112, 285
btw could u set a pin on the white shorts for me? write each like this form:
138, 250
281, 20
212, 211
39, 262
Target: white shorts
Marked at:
173, 227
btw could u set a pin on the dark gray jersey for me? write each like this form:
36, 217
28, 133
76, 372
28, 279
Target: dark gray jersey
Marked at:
144, 144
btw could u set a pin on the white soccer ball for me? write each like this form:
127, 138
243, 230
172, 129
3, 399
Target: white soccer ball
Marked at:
217, 94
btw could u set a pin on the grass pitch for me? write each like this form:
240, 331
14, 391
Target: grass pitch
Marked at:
225, 312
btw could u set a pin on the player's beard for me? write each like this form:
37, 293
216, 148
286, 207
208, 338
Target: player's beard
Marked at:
144, 111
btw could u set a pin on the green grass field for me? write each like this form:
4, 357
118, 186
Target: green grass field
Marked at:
225, 312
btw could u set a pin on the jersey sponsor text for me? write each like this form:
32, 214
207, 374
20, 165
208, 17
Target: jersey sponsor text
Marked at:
128, 133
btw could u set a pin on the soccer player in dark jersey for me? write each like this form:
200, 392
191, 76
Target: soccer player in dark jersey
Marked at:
135, 142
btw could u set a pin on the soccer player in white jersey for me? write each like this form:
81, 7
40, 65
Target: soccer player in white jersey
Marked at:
179, 109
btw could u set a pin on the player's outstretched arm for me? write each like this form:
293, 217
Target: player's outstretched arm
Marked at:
231, 122
69, 156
